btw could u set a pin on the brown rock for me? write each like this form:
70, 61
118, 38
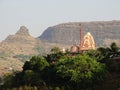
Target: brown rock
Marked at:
23, 31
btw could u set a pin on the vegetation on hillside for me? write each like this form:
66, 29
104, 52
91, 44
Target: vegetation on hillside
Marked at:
90, 70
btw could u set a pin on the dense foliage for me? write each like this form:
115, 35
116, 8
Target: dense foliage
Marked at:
63, 71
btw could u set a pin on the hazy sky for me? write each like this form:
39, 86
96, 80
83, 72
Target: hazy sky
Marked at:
37, 15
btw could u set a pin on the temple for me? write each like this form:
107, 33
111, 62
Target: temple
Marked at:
86, 43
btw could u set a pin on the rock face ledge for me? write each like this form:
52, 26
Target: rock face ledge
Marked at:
103, 32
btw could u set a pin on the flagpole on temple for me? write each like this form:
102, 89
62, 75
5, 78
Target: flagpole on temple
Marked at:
80, 30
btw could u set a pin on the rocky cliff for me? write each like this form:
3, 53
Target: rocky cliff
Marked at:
104, 32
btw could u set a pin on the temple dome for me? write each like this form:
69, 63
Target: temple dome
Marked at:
74, 49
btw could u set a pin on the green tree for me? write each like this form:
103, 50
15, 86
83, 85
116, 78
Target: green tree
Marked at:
109, 52
114, 49
55, 55
55, 50
36, 64
79, 71
32, 73
107, 56
8, 80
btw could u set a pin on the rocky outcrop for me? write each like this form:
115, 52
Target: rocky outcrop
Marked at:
104, 32
23, 31
21, 36
21, 43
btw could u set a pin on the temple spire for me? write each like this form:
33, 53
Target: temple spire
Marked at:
88, 42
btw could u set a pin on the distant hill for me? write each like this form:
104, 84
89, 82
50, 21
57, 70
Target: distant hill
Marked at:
17, 48
104, 32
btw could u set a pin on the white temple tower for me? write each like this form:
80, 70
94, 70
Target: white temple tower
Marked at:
87, 42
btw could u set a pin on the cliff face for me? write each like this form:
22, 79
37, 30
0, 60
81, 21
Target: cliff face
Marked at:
104, 32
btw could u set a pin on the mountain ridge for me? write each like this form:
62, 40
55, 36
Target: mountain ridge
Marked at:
104, 32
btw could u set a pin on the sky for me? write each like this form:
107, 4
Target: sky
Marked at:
38, 15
